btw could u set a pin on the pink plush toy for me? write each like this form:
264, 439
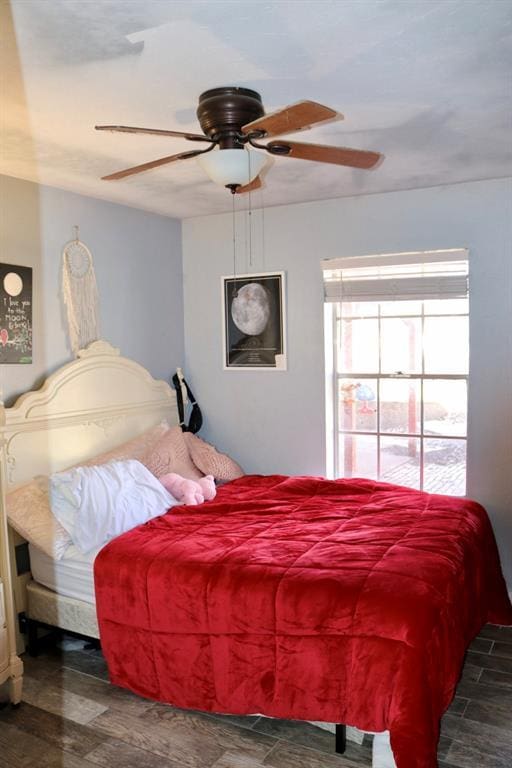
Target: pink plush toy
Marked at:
189, 491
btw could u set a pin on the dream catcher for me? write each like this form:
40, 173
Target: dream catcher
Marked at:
80, 294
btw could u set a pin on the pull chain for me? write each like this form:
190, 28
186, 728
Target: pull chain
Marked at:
263, 231
250, 231
234, 244
250, 217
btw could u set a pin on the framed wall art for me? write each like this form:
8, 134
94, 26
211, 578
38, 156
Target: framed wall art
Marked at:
253, 321
15, 314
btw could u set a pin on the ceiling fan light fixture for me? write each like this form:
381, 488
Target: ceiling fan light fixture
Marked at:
232, 167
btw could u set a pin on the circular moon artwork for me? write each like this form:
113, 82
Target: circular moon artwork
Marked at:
13, 284
250, 309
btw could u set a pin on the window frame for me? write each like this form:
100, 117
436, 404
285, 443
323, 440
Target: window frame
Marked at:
337, 374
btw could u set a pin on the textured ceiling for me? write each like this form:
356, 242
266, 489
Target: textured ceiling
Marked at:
426, 82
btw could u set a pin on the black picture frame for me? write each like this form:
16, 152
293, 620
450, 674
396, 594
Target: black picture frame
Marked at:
254, 322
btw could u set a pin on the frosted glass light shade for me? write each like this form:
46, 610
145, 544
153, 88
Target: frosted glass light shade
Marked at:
232, 166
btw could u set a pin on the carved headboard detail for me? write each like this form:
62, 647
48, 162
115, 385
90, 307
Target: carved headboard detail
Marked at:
86, 407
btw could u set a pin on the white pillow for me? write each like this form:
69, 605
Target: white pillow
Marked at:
95, 504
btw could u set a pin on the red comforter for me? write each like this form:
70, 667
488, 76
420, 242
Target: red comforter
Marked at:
345, 601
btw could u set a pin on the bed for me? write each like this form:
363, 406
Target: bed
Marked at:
194, 605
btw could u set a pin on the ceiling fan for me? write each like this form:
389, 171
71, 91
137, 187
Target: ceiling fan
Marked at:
232, 118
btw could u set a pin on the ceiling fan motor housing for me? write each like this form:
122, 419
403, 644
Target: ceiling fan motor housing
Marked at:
223, 111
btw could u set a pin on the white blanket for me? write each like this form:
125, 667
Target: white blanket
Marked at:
95, 504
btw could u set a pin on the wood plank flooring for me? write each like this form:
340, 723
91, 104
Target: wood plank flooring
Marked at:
71, 717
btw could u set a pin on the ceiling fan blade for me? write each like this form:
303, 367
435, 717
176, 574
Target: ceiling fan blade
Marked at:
153, 131
151, 164
296, 117
254, 184
321, 153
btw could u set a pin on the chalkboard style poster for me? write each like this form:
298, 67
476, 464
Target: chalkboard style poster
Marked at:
15, 314
254, 322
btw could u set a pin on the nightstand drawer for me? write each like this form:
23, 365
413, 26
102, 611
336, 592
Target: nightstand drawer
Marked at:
2, 605
4, 655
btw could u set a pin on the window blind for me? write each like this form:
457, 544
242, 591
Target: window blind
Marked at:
397, 277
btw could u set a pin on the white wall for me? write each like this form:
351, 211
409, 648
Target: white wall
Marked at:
138, 265
274, 421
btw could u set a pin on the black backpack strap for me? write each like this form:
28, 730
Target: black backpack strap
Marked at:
179, 399
190, 394
196, 417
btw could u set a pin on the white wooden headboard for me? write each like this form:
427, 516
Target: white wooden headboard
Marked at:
86, 407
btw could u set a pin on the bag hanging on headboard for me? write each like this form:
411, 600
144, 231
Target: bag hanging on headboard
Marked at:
196, 417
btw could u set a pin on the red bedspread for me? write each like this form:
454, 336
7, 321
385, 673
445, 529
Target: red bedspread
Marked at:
346, 601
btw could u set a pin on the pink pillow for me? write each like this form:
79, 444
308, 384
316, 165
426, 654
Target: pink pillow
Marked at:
170, 454
136, 448
210, 461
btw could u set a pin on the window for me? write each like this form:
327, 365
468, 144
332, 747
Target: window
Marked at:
397, 355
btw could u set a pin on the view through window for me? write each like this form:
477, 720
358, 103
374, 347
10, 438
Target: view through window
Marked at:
398, 375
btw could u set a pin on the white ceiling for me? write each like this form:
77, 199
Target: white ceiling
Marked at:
426, 82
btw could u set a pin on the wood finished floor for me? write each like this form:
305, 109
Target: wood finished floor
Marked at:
71, 717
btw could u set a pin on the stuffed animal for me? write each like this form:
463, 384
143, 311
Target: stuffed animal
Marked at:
189, 491
207, 484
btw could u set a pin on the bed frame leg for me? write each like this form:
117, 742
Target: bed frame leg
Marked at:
92, 644
33, 642
341, 738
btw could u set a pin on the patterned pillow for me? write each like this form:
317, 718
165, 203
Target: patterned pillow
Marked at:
170, 454
29, 513
136, 448
210, 461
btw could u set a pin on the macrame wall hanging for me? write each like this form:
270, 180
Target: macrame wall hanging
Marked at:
80, 294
